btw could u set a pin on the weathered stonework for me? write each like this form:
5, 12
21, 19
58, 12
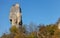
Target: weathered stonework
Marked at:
58, 23
15, 15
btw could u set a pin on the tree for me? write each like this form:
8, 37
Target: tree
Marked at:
13, 29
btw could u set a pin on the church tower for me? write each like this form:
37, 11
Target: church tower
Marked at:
15, 16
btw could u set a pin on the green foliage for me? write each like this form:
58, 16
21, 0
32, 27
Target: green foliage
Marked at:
48, 31
13, 29
19, 35
5, 36
32, 35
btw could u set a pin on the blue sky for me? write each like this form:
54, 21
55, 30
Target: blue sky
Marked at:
37, 11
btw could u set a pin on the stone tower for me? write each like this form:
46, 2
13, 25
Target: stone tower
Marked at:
15, 16
58, 23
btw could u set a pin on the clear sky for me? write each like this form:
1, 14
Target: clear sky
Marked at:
37, 11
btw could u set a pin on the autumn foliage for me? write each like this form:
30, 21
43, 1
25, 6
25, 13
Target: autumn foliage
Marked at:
43, 31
